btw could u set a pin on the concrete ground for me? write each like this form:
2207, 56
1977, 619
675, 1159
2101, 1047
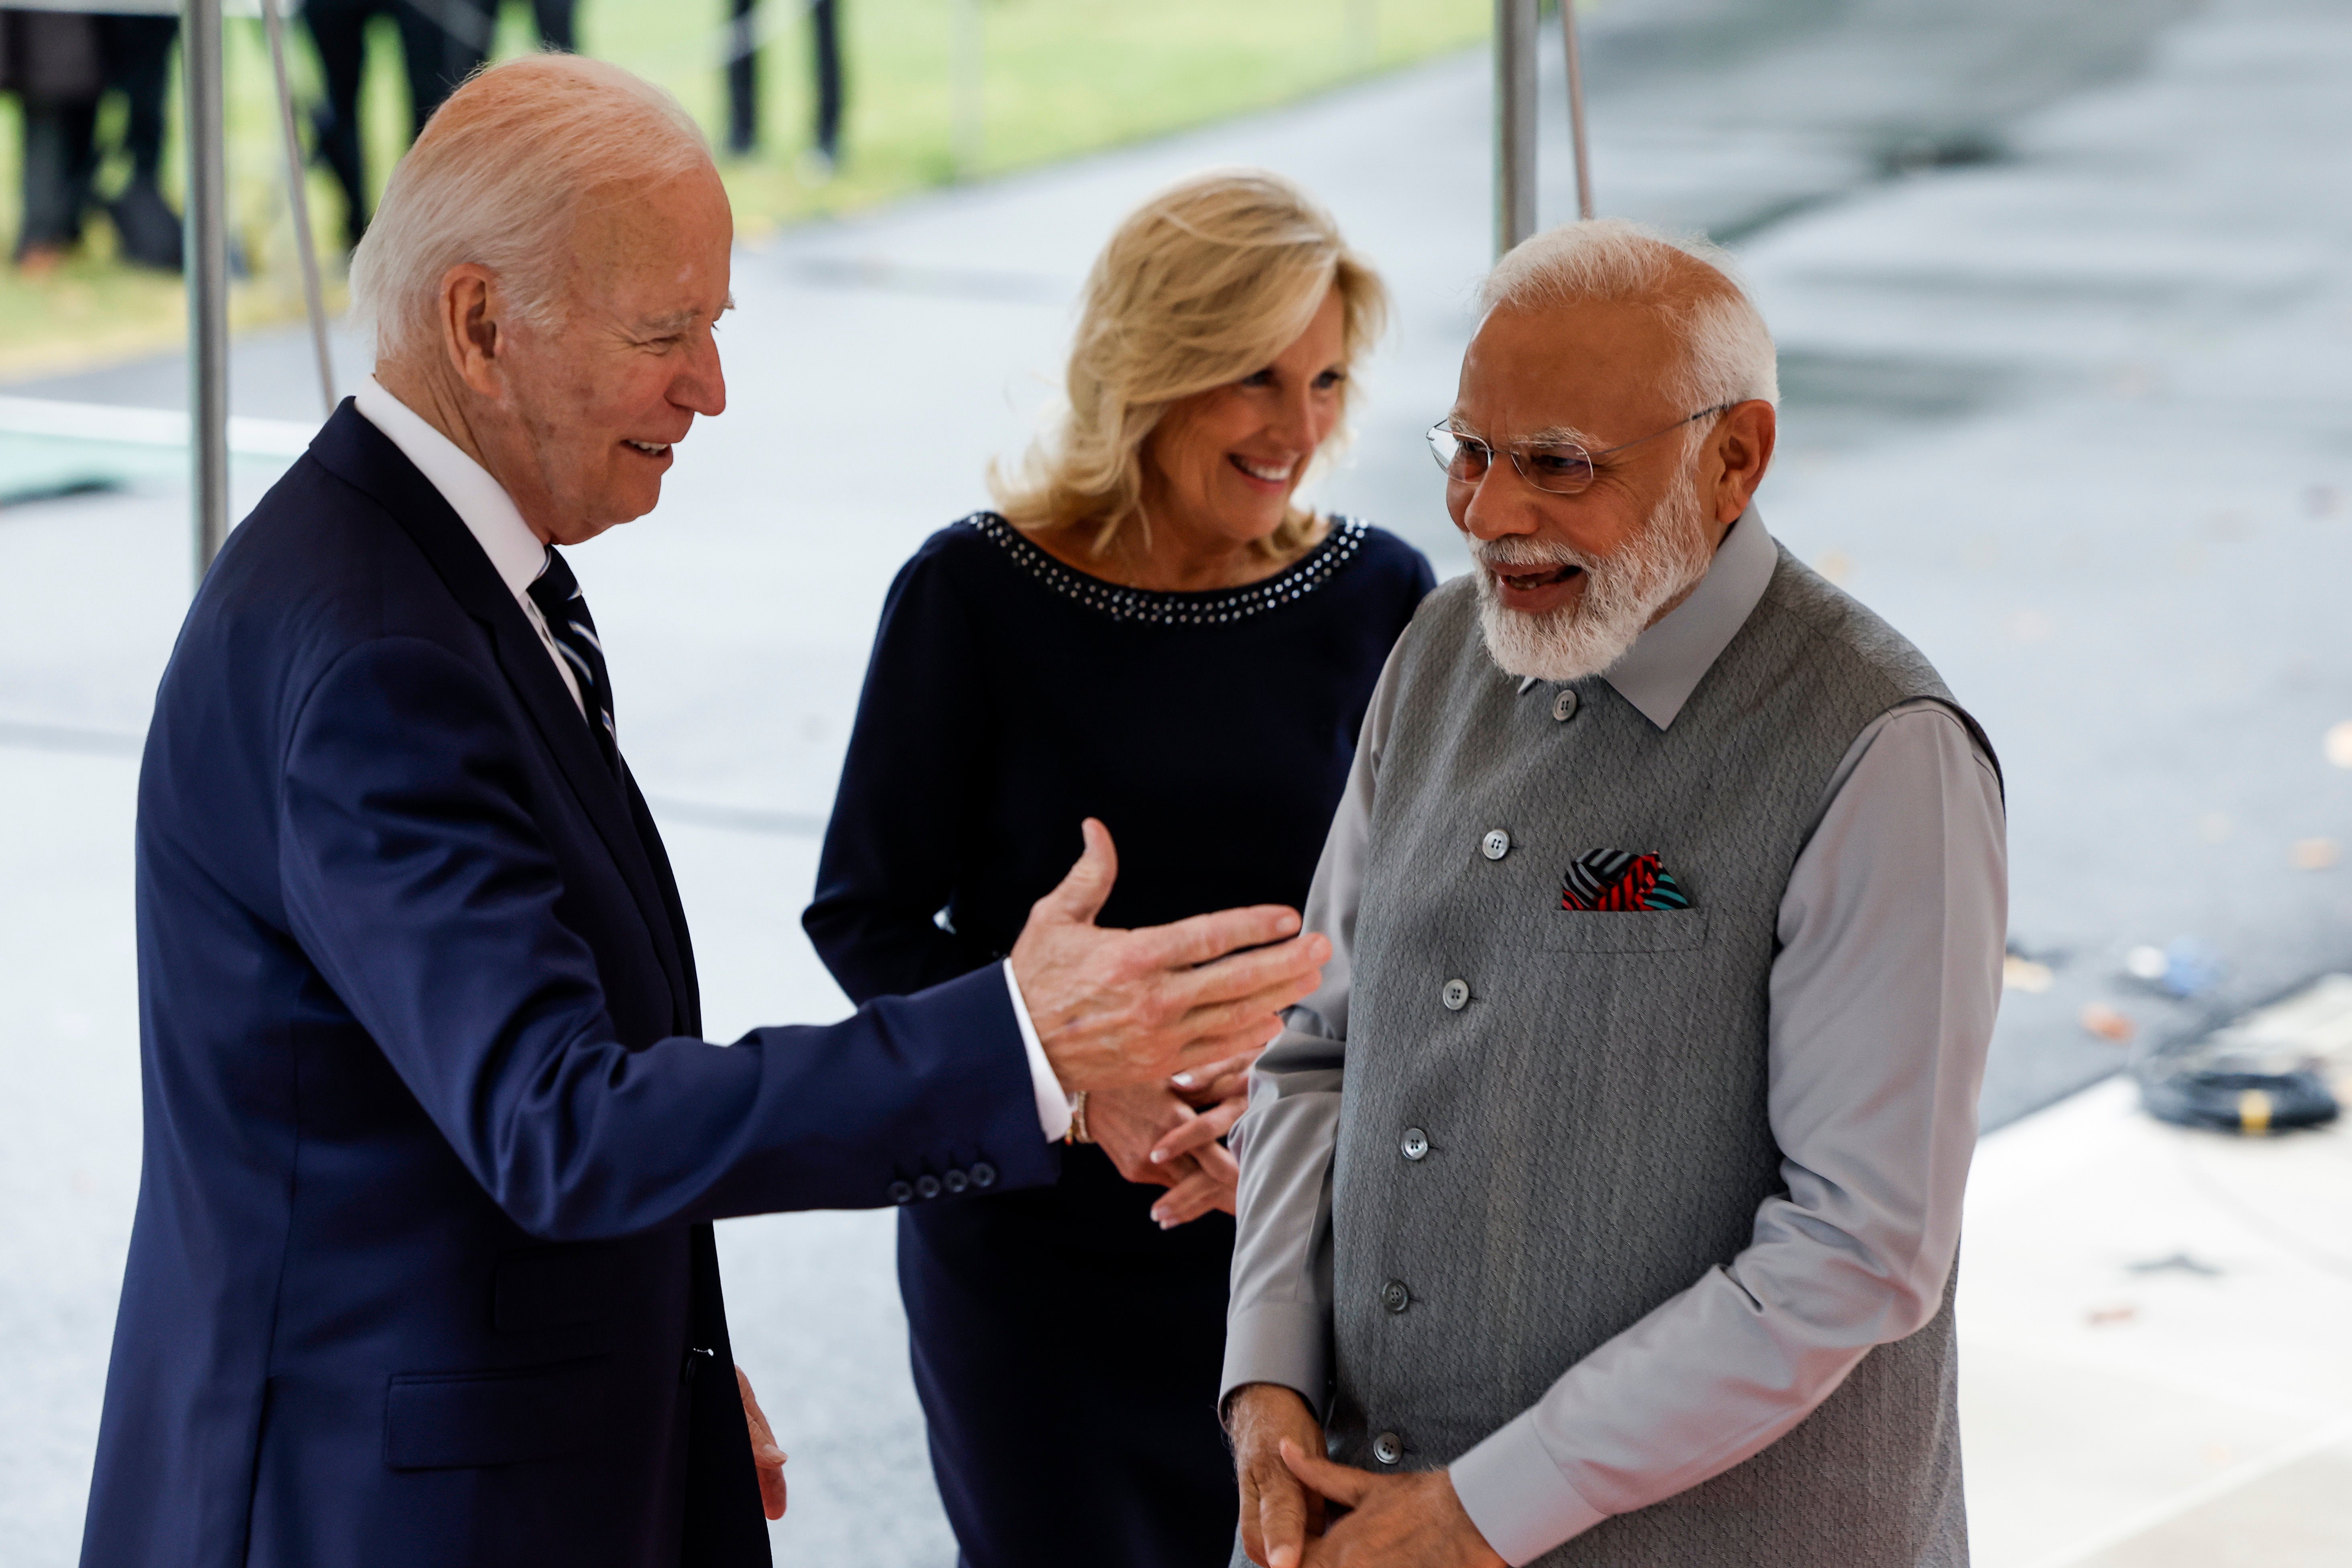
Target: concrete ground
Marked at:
2064, 310
2154, 1371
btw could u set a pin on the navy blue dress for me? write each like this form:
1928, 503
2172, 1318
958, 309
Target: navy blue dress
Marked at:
1065, 1349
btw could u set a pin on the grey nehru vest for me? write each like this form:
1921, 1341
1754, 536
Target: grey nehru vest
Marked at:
1589, 1128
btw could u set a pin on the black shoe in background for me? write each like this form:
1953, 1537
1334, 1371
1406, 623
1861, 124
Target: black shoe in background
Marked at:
146, 226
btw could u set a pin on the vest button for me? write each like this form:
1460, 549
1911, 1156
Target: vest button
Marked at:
1388, 1448
1563, 707
1415, 1144
1395, 1297
1455, 994
1495, 844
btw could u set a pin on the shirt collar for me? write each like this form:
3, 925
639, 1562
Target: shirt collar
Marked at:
480, 503
1664, 667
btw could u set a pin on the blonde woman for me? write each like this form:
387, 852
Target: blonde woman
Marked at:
1149, 631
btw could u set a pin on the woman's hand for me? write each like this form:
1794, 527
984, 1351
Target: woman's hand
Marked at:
1168, 1135
1215, 1178
1128, 1122
1215, 1101
1133, 1124
1217, 1081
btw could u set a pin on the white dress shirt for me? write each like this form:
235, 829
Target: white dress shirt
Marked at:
1881, 997
481, 503
519, 556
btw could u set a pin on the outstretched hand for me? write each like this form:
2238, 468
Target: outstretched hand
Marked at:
1114, 1008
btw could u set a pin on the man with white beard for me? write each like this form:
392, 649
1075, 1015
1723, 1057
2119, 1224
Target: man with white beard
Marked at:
1604, 1205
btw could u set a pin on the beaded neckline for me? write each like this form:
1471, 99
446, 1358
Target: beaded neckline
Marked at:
1213, 606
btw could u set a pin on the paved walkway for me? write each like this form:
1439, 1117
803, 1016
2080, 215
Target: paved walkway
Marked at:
2064, 310
2153, 1367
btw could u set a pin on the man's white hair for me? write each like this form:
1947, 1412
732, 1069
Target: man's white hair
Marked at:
498, 177
1692, 282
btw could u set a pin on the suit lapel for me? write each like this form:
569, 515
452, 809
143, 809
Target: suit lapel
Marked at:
356, 451
690, 1021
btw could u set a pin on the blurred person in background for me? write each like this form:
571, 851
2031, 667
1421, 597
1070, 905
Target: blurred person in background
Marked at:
421, 1270
51, 60
742, 74
61, 65
1153, 632
441, 42
138, 66
557, 22
824, 46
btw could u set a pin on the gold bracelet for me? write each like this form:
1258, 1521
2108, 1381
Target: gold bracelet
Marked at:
1079, 1133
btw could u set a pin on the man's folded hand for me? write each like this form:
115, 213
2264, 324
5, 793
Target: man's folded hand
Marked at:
1413, 1521
1280, 1514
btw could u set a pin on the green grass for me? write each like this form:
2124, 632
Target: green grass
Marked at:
1059, 77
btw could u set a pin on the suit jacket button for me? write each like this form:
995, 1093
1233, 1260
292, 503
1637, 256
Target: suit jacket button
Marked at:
1395, 1297
901, 1193
1455, 994
1415, 1144
955, 1180
927, 1186
1563, 707
1388, 1448
984, 1174
1495, 844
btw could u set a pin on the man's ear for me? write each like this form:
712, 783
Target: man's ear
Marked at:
1743, 444
473, 327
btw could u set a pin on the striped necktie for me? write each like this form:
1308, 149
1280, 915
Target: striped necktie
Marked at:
556, 592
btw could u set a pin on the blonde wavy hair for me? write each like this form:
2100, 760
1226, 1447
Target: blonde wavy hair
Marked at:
1205, 284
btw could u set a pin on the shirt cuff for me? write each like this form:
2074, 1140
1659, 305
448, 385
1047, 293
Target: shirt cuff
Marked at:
1052, 1105
1279, 1343
1516, 1495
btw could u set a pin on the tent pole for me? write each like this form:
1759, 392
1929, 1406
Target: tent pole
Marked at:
207, 221
1514, 122
299, 199
1576, 108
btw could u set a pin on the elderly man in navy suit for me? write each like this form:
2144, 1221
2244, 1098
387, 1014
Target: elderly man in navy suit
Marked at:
422, 1271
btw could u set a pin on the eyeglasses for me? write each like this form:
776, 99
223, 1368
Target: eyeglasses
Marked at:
1562, 468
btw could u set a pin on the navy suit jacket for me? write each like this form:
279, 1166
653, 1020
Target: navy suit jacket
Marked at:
422, 1271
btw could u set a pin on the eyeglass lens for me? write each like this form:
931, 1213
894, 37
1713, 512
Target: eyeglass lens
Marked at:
1562, 468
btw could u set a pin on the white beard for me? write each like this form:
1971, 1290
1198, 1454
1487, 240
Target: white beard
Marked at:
1623, 592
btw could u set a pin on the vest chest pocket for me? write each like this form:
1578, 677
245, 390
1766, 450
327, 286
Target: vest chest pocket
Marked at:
1620, 931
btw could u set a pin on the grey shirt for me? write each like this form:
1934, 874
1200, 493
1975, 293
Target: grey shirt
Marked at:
1882, 1000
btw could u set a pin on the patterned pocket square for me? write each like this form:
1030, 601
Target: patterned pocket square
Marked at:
1620, 879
